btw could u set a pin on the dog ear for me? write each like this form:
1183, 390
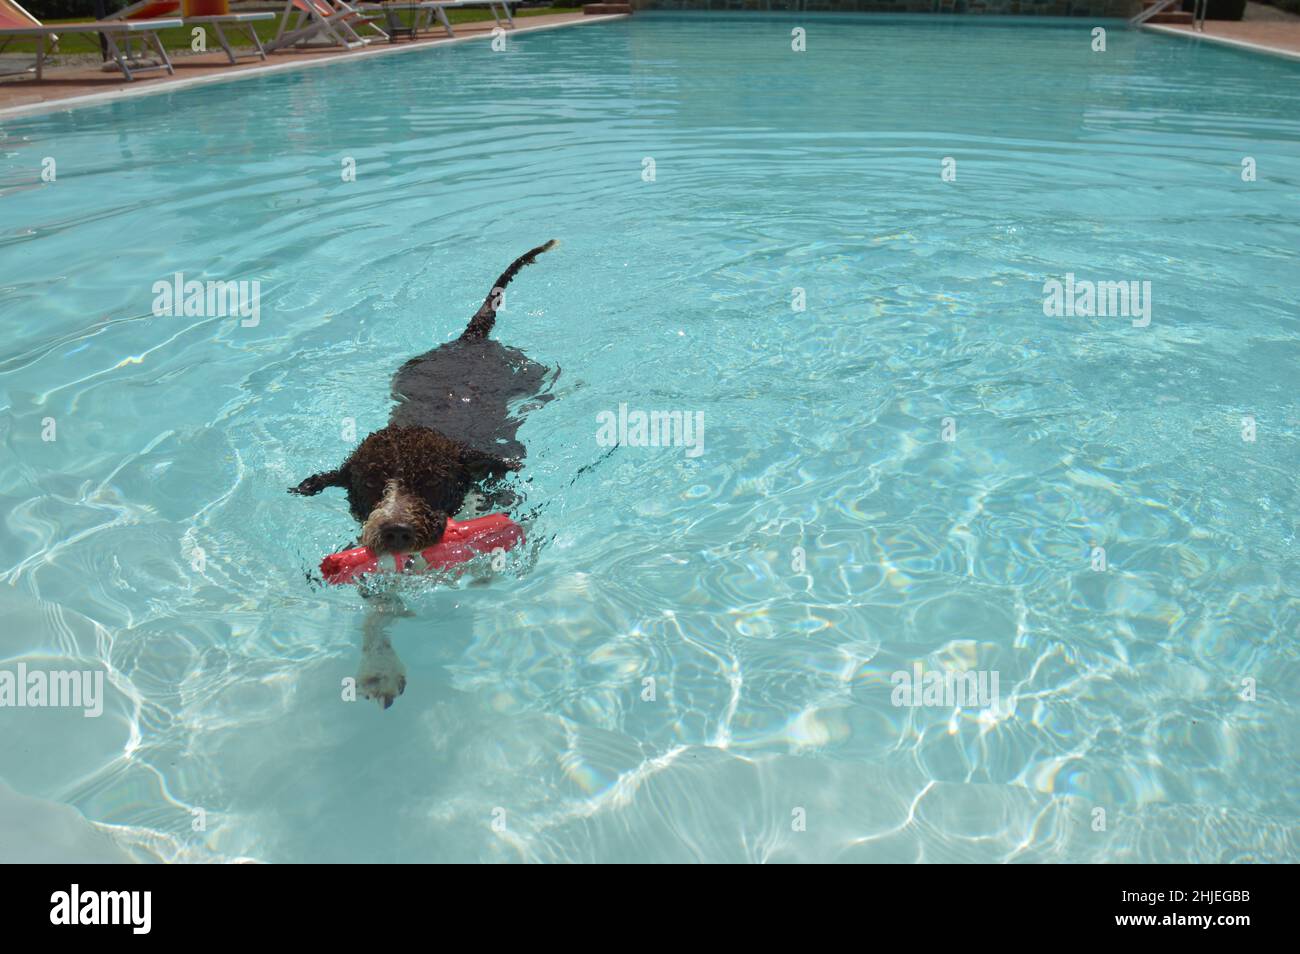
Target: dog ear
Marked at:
318, 482
482, 464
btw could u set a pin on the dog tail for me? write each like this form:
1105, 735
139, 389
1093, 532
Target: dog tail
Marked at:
480, 326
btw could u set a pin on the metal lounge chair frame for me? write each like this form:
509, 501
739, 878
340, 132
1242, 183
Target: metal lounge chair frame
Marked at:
145, 9
17, 22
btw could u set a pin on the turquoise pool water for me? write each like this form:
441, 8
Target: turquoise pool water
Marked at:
826, 538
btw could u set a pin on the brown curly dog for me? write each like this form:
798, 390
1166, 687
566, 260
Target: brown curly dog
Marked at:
452, 429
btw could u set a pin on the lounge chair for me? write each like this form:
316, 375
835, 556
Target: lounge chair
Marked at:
17, 22
422, 15
424, 11
146, 9
334, 21
492, 8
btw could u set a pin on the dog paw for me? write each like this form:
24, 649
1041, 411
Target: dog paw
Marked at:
382, 679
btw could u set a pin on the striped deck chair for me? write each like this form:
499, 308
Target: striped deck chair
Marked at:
323, 22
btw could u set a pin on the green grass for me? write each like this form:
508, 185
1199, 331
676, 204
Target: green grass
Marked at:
179, 39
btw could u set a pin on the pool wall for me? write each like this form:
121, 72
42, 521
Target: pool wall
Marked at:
1046, 8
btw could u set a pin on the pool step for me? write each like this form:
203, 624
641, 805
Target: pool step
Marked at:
601, 9
1169, 16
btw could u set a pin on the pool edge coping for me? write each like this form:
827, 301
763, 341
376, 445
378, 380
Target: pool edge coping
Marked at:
1226, 41
128, 91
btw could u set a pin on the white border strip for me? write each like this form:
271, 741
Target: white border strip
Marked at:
1226, 41
130, 90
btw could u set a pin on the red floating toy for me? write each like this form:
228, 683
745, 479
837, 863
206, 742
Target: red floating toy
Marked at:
461, 541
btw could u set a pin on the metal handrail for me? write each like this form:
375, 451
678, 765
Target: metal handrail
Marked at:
1151, 11
1198, 15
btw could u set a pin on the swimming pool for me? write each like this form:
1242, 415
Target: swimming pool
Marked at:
905, 460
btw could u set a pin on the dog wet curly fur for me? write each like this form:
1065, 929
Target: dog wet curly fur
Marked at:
453, 429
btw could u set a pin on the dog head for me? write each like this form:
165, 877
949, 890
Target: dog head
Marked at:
402, 522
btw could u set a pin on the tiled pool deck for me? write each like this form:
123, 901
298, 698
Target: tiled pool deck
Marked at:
78, 85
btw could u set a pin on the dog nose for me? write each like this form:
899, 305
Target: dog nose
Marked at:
397, 536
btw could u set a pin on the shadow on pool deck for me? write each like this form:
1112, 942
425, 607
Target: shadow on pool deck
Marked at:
74, 82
